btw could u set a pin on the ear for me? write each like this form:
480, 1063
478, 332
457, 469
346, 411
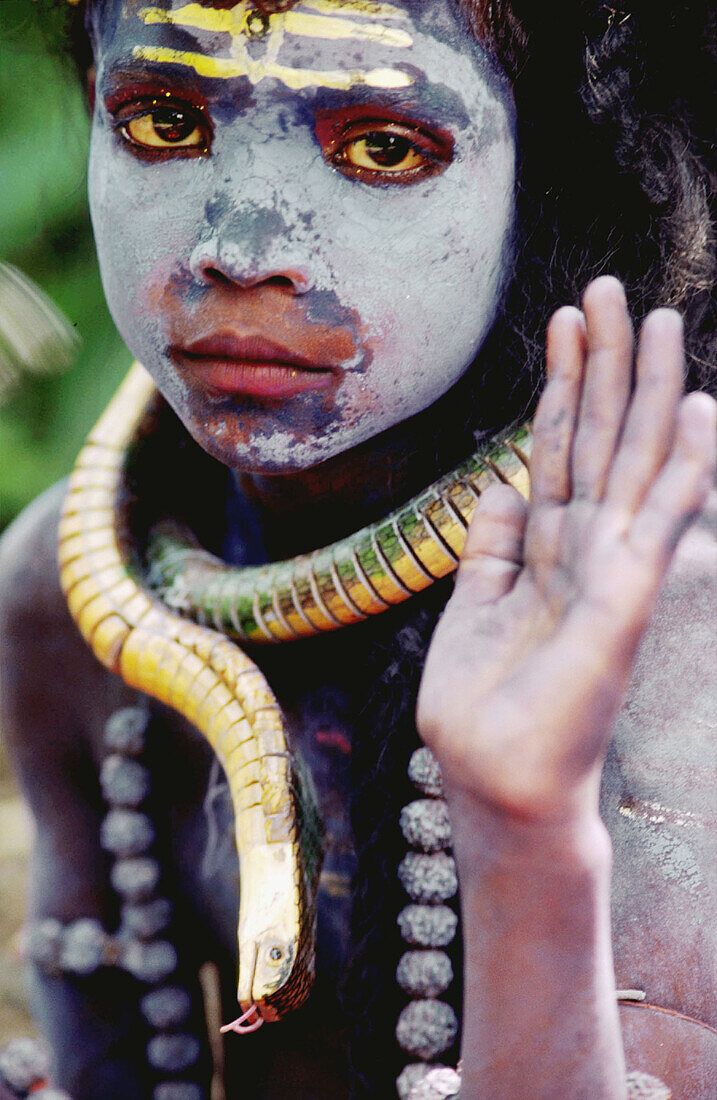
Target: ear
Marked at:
90, 83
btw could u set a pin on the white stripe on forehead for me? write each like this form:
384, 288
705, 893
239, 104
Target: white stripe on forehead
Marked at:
320, 19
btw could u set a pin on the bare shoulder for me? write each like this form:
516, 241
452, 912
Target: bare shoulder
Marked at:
29, 581
54, 695
658, 791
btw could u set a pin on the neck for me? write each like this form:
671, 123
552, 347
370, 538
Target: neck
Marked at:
301, 511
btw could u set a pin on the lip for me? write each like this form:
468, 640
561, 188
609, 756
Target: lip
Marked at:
252, 365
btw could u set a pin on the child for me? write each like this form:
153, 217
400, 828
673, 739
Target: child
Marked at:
313, 235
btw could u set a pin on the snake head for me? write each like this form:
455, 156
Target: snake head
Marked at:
279, 977
271, 932
283, 974
275, 957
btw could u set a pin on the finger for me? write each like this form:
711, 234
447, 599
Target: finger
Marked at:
650, 426
554, 422
681, 488
493, 554
606, 387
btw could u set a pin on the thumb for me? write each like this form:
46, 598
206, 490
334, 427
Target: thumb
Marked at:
493, 554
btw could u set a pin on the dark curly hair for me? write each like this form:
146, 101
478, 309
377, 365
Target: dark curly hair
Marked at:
616, 175
615, 151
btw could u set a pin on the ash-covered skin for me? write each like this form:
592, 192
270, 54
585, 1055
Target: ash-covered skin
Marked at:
391, 287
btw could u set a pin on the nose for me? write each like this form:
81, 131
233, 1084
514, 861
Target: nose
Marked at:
251, 249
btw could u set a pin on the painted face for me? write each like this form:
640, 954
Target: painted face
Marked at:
302, 220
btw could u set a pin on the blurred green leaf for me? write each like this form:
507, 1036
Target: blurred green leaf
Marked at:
45, 231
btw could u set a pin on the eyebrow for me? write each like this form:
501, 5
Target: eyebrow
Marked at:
437, 104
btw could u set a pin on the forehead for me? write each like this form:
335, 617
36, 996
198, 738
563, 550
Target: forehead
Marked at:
339, 44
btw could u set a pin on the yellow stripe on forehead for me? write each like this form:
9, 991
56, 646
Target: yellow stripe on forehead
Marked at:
225, 68
237, 20
243, 23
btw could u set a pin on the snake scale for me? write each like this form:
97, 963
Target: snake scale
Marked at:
188, 662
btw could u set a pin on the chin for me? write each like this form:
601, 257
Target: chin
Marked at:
279, 452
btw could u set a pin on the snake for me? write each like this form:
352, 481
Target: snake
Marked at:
171, 632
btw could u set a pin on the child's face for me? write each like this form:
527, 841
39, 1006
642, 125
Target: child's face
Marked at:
303, 221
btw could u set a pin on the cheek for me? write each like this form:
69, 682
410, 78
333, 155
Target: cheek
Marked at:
141, 234
426, 279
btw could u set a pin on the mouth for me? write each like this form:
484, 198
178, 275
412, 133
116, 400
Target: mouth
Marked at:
227, 363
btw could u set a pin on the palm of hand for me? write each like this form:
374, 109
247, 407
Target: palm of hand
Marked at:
530, 660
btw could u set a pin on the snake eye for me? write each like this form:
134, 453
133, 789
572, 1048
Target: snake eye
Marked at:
276, 954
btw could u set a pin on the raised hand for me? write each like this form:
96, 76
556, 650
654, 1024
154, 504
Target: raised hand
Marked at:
529, 662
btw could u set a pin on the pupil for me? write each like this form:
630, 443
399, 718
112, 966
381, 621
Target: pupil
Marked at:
172, 125
387, 150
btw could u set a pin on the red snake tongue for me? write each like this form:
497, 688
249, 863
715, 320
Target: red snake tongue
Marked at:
239, 1027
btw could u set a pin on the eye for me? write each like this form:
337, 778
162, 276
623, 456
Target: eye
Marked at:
162, 126
383, 152
387, 153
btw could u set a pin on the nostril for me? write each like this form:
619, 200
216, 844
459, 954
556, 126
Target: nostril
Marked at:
214, 275
214, 265
279, 280
217, 276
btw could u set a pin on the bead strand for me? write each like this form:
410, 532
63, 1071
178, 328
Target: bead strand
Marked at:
82, 946
427, 1026
129, 834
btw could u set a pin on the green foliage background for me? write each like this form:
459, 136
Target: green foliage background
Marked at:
45, 231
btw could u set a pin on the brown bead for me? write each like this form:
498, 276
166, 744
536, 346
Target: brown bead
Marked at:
425, 824
424, 973
426, 1028
428, 879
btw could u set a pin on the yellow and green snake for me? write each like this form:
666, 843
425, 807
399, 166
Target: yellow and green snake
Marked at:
194, 668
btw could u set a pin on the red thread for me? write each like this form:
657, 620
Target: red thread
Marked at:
334, 739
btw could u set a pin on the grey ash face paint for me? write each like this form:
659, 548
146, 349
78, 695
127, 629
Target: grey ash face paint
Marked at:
376, 287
